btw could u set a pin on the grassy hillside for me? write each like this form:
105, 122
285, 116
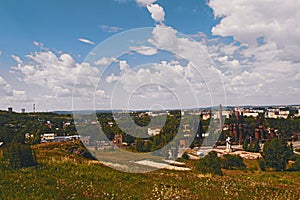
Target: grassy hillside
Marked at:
65, 174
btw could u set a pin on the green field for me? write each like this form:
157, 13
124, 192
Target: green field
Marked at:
62, 175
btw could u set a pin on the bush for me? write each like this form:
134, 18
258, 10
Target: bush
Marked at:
296, 165
19, 155
276, 154
185, 156
294, 157
233, 162
210, 164
262, 165
254, 147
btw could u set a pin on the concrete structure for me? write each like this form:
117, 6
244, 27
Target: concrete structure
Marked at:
118, 140
85, 140
10, 109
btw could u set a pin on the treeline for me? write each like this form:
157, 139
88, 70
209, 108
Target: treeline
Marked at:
17, 125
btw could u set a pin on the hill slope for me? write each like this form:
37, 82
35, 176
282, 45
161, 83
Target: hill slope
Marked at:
65, 175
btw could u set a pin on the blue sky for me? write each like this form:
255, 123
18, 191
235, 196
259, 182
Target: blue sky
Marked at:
59, 24
252, 46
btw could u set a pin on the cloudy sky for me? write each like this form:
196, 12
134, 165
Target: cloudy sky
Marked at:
64, 55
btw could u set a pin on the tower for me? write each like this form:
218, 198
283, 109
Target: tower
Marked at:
34, 108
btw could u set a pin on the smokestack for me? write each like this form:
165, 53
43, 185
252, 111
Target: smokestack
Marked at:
221, 119
256, 134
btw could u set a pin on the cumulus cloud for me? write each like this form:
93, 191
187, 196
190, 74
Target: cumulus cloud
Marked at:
165, 83
55, 76
112, 78
9, 95
274, 21
157, 12
145, 2
124, 66
104, 61
83, 40
144, 50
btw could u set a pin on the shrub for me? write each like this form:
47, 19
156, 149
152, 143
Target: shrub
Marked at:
19, 155
210, 164
233, 162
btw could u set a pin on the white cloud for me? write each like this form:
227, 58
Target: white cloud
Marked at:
0, 52
111, 29
111, 78
10, 96
124, 66
145, 2
104, 61
158, 83
144, 50
276, 21
157, 12
54, 76
38, 44
101, 94
297, 77
17, 59
86, 41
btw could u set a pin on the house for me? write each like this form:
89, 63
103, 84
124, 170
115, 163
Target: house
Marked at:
251, 114
205, 116
153, 131
225, 113
276, 113
47, 137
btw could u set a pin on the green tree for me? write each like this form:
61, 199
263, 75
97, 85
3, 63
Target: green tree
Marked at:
245, 145
276, 154
139, 145
210, 164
